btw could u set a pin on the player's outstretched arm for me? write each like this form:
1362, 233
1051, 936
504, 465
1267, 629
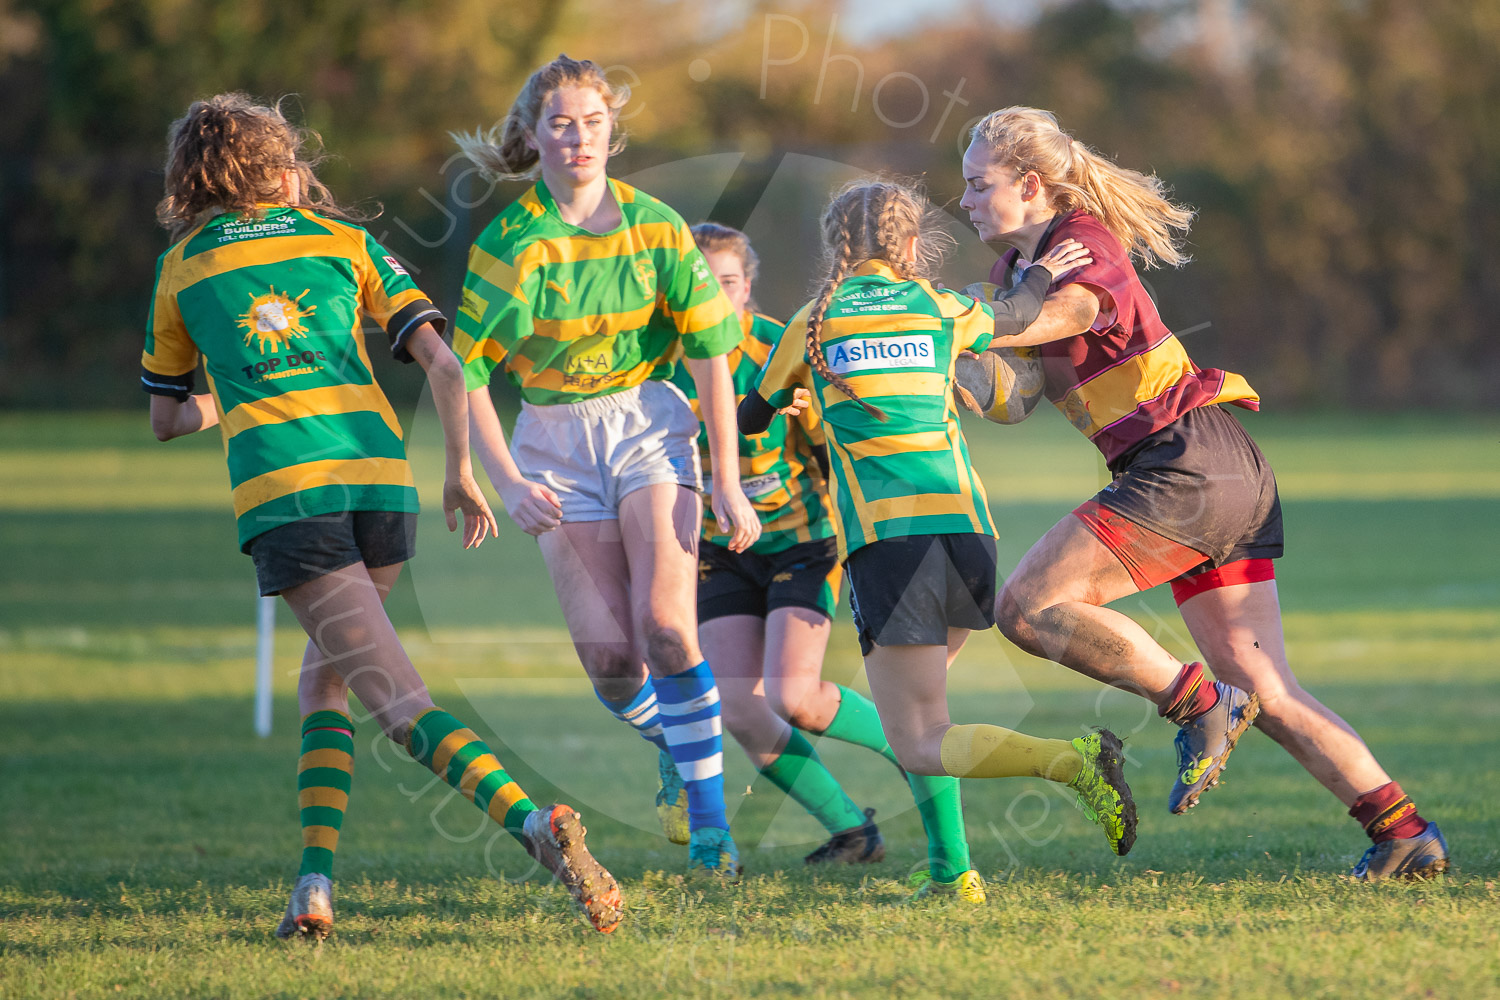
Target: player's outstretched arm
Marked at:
1069, 311
1018, 309
172, 419
460, 492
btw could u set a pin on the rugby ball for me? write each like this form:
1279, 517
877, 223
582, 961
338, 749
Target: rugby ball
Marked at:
1004, 382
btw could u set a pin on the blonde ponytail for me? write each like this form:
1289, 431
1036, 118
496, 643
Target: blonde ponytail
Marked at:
1131, 205
501, 152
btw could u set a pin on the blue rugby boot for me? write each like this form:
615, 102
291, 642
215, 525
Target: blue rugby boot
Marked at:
1422, 856
711, 850
1204, 744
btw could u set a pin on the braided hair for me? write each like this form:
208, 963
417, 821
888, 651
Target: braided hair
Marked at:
871, 220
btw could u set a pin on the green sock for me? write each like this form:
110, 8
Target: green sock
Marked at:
324, 772
799, 772
452, 751
857, 722
942, 809
938, 799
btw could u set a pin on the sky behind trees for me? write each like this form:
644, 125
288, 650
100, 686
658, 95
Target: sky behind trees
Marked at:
1342, 153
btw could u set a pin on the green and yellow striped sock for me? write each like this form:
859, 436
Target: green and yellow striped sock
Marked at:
324, 773
454, 753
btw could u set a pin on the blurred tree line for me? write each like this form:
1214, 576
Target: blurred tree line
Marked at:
1342, 153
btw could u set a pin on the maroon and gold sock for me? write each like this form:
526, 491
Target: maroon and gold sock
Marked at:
1192, 694
1387, 813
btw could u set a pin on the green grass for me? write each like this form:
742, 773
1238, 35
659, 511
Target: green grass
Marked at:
148, 838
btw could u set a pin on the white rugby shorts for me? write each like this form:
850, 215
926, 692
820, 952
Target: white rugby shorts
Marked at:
595, 452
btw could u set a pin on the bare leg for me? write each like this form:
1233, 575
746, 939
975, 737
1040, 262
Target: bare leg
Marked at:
796, 639
342, 613
910, 687
734, 645
586, 560
1238, 629
1051, 607
319, 685
659, 527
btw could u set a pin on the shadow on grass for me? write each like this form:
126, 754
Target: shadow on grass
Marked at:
153, 568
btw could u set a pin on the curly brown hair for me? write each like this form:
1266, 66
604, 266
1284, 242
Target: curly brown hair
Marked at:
229, 154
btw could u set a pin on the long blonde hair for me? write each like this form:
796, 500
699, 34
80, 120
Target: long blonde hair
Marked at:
500, 152
228, 154
1131, 205
871, 220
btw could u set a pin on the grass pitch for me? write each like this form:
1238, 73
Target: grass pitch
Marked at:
149, 838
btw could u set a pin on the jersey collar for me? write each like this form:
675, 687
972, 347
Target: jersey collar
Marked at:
877, 267
549, 205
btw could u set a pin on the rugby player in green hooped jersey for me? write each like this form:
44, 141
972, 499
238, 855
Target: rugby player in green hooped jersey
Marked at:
587, 292
270, 284
764, 615
914, 529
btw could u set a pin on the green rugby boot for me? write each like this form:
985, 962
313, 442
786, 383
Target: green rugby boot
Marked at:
1102, 792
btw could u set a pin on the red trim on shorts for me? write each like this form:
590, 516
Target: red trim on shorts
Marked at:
1149, 558
1228, 575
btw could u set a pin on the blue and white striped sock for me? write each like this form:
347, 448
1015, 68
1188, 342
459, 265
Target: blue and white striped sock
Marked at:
640, 713
689, 704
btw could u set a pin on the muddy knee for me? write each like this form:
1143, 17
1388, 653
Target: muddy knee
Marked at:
666, 647
1012, 620
615, 671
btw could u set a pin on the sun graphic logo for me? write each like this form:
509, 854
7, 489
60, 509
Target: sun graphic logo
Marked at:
275, 318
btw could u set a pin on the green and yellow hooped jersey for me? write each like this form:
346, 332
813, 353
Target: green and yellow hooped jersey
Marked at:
276, 308
574, 314
777, 468
895, 341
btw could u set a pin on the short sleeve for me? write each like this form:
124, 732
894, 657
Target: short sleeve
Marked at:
974, 329
389, 297
697, 305
495, 316
1109, 274
973, 320
170, 358
787, 367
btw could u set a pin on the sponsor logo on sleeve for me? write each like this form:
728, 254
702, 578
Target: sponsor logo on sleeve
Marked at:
394, 265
